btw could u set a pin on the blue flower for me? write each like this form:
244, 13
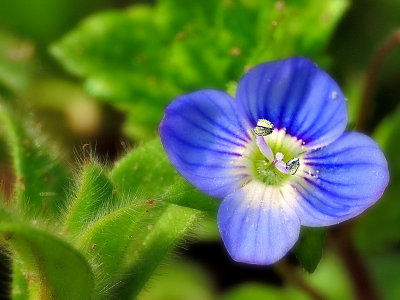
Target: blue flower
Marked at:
277, 154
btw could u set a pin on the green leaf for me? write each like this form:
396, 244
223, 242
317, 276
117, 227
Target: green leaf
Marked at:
146, 168
194, 45
118, 42
308, 249
298, 28
95, 194
53, 268
41, 178
147, 171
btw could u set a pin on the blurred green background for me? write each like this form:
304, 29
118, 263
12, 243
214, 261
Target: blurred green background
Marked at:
101, 73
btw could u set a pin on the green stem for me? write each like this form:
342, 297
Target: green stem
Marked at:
373, 71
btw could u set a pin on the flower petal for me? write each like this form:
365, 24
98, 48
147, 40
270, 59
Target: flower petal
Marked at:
257, 225
297, 95
347, 177
204, 139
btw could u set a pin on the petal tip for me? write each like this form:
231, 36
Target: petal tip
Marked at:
256, 225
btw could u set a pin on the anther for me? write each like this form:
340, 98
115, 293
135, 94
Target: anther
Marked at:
264, 127
293, 165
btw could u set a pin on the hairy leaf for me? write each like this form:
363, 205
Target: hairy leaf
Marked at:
41, 178
146, 171
53, 268
163, 235
107, 240
96, 193
147, 174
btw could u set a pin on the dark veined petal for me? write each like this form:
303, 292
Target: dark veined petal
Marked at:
348, 176
257, 225
204, 139
297, 95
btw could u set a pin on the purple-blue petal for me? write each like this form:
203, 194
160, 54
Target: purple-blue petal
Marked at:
349, 176
204, 138
257, 225
297, 95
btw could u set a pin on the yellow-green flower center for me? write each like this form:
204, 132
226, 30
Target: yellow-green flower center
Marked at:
263, 169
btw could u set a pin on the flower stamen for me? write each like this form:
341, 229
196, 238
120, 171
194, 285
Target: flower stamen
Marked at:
290, 167
293, 165
264, 127
265, 148
269, 167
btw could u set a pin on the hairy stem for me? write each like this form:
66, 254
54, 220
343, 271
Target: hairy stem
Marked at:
374, 68
290, 274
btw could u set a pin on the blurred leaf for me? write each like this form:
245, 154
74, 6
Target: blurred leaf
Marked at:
354, 46
308, 249
68, 113
387, 136
41, 179
354, 84
53, 268
378, 229
44, 20
331, 279
19, 289
253, 291
231, 87
386, 272
16, 62
179, 281
385, 214
95, 194
354, 43
193, 46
